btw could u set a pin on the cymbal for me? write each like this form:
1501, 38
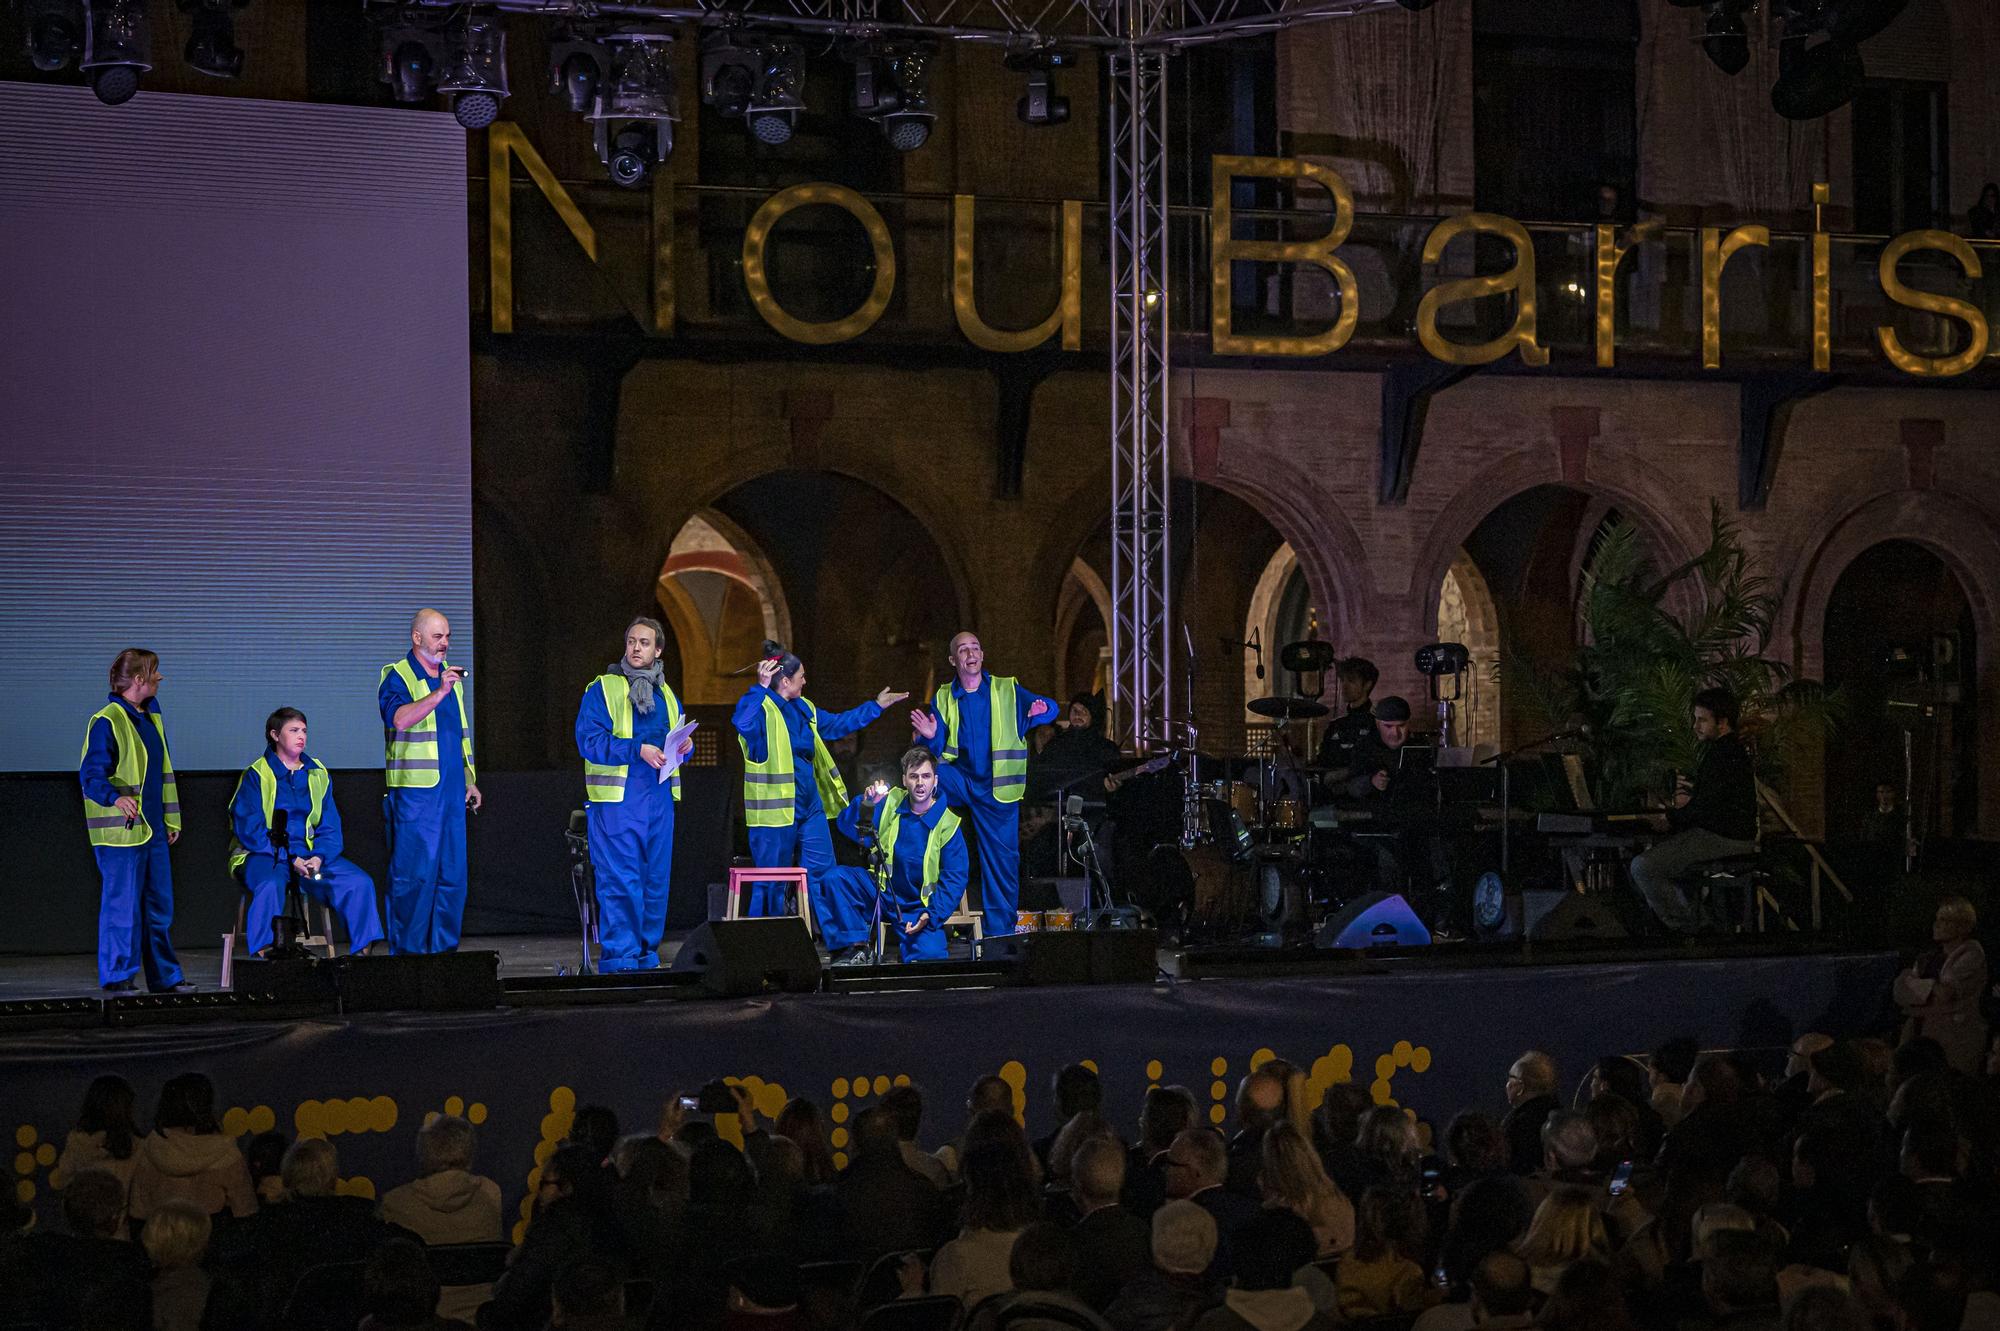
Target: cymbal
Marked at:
1287, 709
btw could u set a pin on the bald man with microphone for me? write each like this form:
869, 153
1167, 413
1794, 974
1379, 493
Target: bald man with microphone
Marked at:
428, 736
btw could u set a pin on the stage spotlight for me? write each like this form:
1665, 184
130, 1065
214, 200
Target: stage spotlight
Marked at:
1816, 80
635, 112
211, 46
891, 83
1041, 104
576, 69
756, 78
475, 69
118, 50
1724, 37
54, 31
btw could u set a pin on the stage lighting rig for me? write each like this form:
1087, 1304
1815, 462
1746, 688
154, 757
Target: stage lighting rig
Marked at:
1814, 79
1725, 37
118, 49
891, 87
412, 54
475, 68
211, 45
758, 77
54, 32
577, 66
635, 110
1041, 104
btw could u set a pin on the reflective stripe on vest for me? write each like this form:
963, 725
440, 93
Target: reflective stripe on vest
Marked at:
770, 796
604, 783
104, 824
888, 822
411, 761
317, 782
1009, 752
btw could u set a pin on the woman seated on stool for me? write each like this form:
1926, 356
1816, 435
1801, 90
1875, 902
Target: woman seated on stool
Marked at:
289, 778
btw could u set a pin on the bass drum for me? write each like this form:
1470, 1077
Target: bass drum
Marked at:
1203, 889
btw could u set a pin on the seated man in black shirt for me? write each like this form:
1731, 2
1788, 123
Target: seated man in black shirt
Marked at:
1357, 676
1398, 783
1714, 815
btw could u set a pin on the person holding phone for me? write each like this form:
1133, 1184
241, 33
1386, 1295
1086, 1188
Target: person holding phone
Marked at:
132, 813
623, 725
428, 737
923, 861
789, 783
288, 779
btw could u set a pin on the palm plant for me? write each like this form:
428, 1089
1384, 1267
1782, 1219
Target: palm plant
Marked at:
1635, 673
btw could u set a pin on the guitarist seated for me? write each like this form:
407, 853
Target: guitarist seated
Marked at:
1714, 815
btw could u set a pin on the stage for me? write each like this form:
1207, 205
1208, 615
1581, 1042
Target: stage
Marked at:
1433, 1029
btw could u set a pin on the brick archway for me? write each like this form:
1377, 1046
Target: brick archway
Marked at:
1961, 534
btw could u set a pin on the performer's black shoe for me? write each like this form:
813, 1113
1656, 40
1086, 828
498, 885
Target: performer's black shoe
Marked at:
184, 987
853, 956
125, 986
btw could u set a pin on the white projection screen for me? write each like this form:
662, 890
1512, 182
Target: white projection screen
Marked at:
235, 421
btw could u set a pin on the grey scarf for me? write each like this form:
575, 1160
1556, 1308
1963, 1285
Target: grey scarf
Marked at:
645, 684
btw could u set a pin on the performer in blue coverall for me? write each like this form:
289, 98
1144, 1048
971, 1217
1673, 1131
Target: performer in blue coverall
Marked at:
431, 785
289, 778
621, 730
977, 729
132, 813
921, 853
789, 783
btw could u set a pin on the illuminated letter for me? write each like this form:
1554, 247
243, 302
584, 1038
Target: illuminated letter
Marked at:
1716, 251
1822, 282
1226, 250
1068, 313
663, 253
754, 278
1520, 279
1609, 256
1941, 367
504, 139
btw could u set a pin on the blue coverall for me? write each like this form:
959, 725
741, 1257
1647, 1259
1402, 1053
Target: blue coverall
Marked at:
135, 913
903, 902
342, 884
426, 832
838, 890
966, 783
631, 840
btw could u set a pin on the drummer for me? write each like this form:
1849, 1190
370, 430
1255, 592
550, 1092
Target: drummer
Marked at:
1357, 676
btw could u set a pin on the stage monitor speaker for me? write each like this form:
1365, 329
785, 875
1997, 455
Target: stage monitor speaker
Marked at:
443, 982
736, 958
1079, 956
1571, 918
1375, 919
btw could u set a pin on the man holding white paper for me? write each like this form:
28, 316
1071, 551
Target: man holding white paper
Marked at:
631, 735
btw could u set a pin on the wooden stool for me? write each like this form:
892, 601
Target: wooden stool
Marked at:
957, 919
320, 935
740, 878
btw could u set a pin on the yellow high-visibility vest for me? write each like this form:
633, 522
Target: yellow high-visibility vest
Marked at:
103, 822
888, 820
604, 783
769, 796
317, 782
412, 758
1009, 762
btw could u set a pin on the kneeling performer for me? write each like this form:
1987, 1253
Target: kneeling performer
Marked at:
622, 727
291, 781
923, 865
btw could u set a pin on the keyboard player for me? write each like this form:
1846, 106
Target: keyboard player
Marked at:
1714, 815
1397, 784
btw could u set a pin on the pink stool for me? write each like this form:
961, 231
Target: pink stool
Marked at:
741, 878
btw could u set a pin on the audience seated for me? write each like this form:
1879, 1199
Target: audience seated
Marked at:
400, 1292
1381, 1276
1263, 1294
105, 1136
1168, 1111
447, 1203
187, 1158
1042, 1272
1531, 1098
1176, 1288
1197, 1171
1000, 1203
1112, 1245
888, 1206
1293, 1179
1260, 1104
906, 1104
1568, 1228
310, 1226
572, 1221
176, 1238
1667, 1071
987, 1093
1075, 1089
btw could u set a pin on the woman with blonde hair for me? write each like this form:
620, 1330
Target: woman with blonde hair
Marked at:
1292, 1179
175, 1238
1299, 1105
1567, 1229
1388, 1144
1940, 992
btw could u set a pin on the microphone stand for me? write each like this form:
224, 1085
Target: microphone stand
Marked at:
1507, 784
878, 873
287, 927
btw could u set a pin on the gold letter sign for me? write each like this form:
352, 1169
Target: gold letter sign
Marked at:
759, 284
1520, 279
504, 140
1068, 313
1941, 367
1225, 249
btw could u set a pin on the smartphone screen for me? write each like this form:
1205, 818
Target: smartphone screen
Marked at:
1621, 1179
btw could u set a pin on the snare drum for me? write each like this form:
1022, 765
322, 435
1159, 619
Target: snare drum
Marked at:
1054, 920
1027, 921
1288, 813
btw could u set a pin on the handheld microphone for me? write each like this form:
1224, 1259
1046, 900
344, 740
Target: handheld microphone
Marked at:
464, 672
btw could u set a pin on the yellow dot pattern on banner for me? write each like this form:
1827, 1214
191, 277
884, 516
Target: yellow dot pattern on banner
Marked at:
248, 1122
1155, 1069
839, 1112
475, 1114
25, 1135
331, 1118
840, 1159
454, 1105
235, 1122
1417, 1058
881, 1085
1216, 1113
1336, 1065
1218, 1067
1261, 1057
33, 1149
839, 1088
839, 1137
555, 1126
1090, 1063
902, 1079
1218, 1090
24, 1192
24, 1163
45, 1154
1015, 1074
355, 1187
